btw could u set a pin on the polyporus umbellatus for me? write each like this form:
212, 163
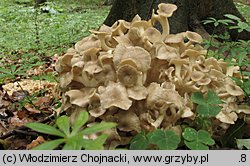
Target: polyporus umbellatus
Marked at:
133, 74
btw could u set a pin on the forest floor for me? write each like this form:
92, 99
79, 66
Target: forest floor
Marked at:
30, 42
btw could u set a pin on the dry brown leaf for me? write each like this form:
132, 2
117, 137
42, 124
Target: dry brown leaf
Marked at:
39, 140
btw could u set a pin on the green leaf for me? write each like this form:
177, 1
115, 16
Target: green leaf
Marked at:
212, 98
5, 71
63, 124
197, 140
73, 143
96, 144
243, 143
80, 121
139, 142
49, 145
203, 110
213, 110
13, 68
196, 146
207, 107
216, 24
233, 17
165, 140
205, 137
43, 128
198, 98
189, 134
98, 127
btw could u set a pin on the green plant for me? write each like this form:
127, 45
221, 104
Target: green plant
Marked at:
197, 140
158, 139
72, 136
243, 143
207, 106
231, 51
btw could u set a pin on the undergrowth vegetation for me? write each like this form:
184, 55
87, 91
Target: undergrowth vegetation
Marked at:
30, 37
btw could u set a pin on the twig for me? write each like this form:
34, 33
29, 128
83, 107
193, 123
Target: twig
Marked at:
20, 130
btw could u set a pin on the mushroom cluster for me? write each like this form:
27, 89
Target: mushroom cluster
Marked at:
133, 74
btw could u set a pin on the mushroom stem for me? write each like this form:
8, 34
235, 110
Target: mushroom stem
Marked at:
159, 120
178, 71
104, 46
164, 24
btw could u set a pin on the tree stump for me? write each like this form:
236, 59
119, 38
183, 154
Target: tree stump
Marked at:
188, 16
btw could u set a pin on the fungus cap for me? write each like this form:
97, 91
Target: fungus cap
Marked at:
166, 9
115, 95
194, 37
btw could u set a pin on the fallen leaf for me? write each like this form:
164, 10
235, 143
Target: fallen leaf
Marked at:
39, 140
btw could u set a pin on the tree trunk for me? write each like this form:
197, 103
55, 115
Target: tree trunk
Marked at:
188, 16
39, 2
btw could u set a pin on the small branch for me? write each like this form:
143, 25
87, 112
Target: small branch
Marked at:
20, 130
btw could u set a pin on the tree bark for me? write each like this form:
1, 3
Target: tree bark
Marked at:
188, 16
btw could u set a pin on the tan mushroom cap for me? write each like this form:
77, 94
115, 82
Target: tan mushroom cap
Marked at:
139, 55
92, 68
105, 28
127, 75
137, 92
204, 81
216, 75
64, 63
161, 98
234, 90
90, 54
191, 54
227, 117
136, 18
141, 25
213, 64
94, 107
194, 37
197, 75
166, 9
165, 52
128, 121
128, 61
82, 97
115, 95
120, 27
152, 34
86, 43
107, 74
174, 38
66, 79
102, 37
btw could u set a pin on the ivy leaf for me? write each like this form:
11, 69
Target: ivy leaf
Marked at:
165, 140
139, 142
197, 140
243, 143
